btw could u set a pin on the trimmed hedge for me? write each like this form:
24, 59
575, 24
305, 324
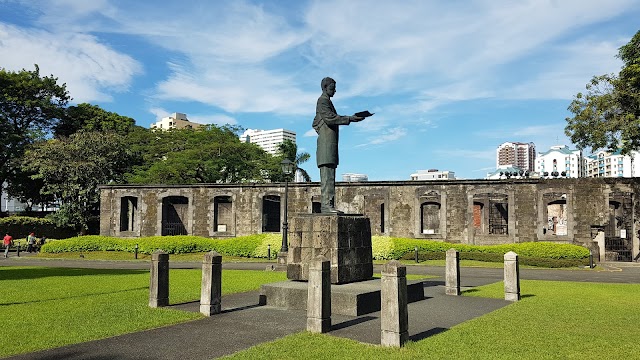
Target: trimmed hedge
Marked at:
389, 248
21, 226
384, 248
242, 246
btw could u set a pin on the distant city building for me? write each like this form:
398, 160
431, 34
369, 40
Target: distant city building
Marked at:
612, 164
175, 121
560, 161
433, 174
507, 172
516, 154
268, 139
349, 177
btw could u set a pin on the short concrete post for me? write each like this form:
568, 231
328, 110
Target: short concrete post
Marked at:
159, 282
319, 295
211, 288
394, 314
452, 273
511, 277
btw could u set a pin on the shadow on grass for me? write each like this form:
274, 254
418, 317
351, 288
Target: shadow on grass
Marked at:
426, 334
74, 297
468, 291
356, 321
19, 273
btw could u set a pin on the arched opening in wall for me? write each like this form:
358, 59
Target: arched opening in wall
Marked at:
271, 213
478, 217
175, 214
617, 232
430, 217
557, 218
222, 213
128, 210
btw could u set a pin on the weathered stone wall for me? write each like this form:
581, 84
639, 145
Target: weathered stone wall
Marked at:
394, 208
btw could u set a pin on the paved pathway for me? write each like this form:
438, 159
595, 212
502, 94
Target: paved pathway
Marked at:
243, 323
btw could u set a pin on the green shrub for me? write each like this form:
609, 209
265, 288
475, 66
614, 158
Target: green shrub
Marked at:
545, 254
241, 246
275, 240
21, 226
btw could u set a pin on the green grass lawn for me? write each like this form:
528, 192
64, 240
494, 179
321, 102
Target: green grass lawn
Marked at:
554, 320
42, 308
123, 255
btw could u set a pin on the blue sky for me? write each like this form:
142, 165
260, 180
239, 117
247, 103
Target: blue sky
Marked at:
448, 81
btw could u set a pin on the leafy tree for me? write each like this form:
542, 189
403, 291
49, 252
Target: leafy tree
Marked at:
289, 150
187, 156
92, 118
29, 106
73, 167
608, 114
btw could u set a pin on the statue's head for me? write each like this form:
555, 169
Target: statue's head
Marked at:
325, 85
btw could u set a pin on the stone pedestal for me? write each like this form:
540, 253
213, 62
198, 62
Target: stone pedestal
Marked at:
452, 274
394, 315
211, 287
343, 239
511, 277
159, 279
319, 296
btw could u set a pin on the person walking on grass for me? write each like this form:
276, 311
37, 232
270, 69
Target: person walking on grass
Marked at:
7, 243
31, 242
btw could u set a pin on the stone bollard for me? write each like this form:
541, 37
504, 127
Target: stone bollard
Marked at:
159, 282
394, 314
319, 295
211, 288
452, 276
511, 277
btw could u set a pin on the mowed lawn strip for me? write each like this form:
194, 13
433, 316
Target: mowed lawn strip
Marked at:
43, 308
554, 320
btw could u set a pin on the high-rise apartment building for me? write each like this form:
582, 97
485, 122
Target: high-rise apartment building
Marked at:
268, 139
560, 161
516, 154
175, 121
433, 174
612, 164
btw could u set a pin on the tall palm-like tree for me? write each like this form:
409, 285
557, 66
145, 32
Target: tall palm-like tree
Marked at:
289, 150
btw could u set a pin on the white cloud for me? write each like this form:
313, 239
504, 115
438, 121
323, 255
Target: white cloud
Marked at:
91, 70
389, 135
310, 133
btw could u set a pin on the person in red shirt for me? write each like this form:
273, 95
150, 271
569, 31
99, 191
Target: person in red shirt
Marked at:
7, 242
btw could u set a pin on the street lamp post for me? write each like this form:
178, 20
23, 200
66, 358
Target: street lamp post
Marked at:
287, 169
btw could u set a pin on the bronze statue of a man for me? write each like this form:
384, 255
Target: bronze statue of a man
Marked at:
326, 124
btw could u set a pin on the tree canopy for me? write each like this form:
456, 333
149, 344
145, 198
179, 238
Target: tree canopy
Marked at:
92, 118
188, 156
289, 150
73, 167
608, 114
30, 105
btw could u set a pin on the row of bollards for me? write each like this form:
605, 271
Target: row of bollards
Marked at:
511, 275
394, 315
211, 286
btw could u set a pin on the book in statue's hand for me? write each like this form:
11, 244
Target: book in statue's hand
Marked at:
365, 113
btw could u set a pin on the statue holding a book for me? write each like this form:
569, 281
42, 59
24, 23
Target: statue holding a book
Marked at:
326, 123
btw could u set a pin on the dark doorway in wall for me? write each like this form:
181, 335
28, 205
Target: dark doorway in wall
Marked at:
128, 210
271, 213
617, 232
174, 215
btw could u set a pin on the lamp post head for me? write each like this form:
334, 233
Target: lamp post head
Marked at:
287, 166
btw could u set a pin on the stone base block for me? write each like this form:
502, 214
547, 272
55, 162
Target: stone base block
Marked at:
344, 239
318, 325
452, 291
393, 339
512, 297
208, 310
353, 299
